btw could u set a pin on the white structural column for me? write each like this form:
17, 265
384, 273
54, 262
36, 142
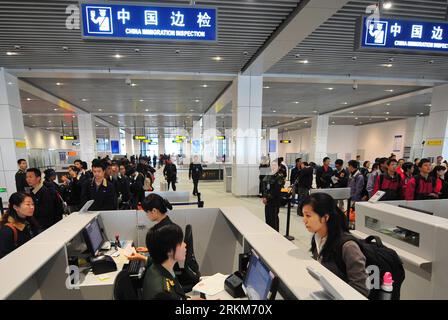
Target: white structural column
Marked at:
415, 136
87, 137
272, 143
209, 136
437, 134
196, 140
246, 124
161, 141
319, 138
114, 134
229, 144
12, 133
129, 144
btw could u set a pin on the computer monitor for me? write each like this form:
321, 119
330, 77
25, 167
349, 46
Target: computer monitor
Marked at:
93, 237
259, 279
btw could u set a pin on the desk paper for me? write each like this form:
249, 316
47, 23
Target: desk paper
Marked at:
211, 285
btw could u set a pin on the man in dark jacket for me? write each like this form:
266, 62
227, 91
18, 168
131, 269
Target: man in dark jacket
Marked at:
121, 184
272, 186
170, 173
195, 172
304, 184
295, 172
137, 181
99, 189
21, 176
324, 174
44, 205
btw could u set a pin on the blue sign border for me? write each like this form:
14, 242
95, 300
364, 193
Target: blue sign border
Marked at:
143, 4
359, 37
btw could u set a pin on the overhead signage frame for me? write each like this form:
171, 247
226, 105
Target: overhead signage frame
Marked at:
398, 35
148, 22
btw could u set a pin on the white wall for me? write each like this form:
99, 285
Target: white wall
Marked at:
341, 140
377, 139
43, 139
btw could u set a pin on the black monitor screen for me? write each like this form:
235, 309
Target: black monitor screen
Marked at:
258, 280
93, 236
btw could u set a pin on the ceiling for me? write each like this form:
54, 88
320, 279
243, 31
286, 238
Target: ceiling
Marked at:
38, 27
330, 48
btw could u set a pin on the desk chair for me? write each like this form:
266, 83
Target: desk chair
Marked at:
124, 289
189, 276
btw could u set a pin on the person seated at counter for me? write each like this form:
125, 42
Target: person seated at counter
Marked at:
166, 247
15, 230
156, 209
322, 217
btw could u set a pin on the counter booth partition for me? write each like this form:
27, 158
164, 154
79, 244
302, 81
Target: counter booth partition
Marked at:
418, 232
43, 268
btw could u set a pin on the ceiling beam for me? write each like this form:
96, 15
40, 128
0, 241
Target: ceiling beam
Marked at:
348, 79
381, 101
119, 74
306, 18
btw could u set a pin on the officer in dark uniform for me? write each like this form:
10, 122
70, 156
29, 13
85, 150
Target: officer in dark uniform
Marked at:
166, 248
272, 186
21, 176
99, 189
195, 172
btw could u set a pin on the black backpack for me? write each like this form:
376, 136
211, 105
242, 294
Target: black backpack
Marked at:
376, 254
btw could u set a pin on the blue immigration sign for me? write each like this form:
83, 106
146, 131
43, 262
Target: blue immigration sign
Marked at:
135, 21
401, 35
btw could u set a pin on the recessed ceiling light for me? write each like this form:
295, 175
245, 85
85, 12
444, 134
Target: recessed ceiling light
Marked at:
10, 83
351, 112
387, 65
55, 109
304, 61
146, 110
133, 84
356, 118
386, 119
47, 128
100, 110
428, 105
191, 110
387, 5
278, 121
389, 90
266, 87
49, 121
96, 125
306, 122
333, 122
387, 104
197, 100
421, 113
73, 116
11, 53
217, 58
204, 86
387, 112
28, 99
296, 102
329, 88
274, 111
58, 83
344, 103
84, 99
111, 116
34, 125
141, 100
117, 56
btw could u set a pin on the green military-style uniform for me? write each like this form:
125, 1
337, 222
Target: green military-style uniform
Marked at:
272, 187
160, 284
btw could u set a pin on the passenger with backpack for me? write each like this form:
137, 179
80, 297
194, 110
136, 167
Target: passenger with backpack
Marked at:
390, 182
15, 225
355, 261
423, 186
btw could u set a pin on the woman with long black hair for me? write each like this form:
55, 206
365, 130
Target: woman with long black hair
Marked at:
331, 244
15, 230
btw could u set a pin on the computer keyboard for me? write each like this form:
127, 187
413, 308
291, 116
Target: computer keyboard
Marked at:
134, 267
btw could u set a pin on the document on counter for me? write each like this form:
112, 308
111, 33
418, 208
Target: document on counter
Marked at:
211, 285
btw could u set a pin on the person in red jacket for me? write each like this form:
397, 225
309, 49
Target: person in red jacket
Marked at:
390, 182
423, 186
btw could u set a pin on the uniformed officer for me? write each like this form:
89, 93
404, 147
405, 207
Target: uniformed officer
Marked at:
272, 186
166, 247
195, 172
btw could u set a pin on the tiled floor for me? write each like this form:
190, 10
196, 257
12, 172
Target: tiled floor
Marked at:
214, 196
